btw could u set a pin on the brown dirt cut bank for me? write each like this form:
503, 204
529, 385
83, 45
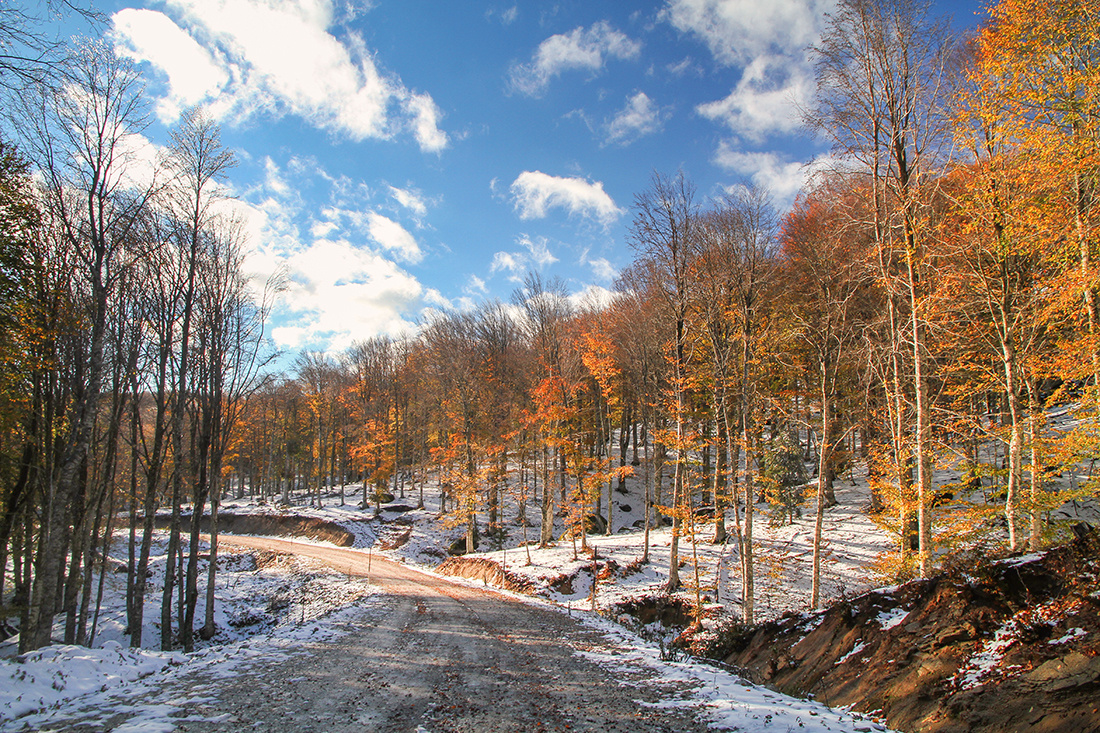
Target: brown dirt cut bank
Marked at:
1012, 645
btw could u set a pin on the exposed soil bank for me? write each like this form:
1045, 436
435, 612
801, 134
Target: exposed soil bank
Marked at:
1012, 645
487, 571
274, 525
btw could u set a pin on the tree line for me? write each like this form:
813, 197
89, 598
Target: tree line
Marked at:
923, 302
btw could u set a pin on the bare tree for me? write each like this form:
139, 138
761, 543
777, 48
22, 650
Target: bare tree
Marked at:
746, 220
546, 312
198, 163
662, 232
82, 139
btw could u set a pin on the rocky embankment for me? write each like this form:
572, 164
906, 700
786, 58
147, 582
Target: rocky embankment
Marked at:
1012, 645
274, 525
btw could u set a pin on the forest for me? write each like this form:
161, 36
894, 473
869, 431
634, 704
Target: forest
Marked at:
931, 293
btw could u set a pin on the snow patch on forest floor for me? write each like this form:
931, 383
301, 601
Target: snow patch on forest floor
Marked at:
266, 604
783, 556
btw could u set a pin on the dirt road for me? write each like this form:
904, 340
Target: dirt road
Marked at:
437, 657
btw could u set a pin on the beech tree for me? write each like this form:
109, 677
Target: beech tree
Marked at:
746, 221
1039, 64
546, 313
881, 74
825, 281
198, 163
78, 138
662, 233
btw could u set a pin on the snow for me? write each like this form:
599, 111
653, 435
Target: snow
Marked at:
783, 556
290, 601
860, 646
1070, 635
986, 660
48, 676
731, 702
891, 618
285, 602
1015, 562
265, 613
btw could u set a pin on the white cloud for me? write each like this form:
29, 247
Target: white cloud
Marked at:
506, 16
768, 42
393, 237
583, 49
783, 179
768, 99
593, 297
510, 261
251, 56
535, 192
339, 293
194, 75
602, 268
539, 251
425, 123
436, 299
538, 255
638, 118
141, 159
684, 66
737, 31
410, 199
475, 286
273, 178
342, 261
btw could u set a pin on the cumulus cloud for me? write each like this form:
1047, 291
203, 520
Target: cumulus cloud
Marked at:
592, 297
582, 49
194, 74
243, 57
737, 31
781, 177
640, 117
768, 99
537, 254
142, 160
535, 192
393, 237
342, 292
342, 261
602, 269
767, 42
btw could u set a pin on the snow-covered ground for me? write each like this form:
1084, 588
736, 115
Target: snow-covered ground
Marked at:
266, 604
269, 604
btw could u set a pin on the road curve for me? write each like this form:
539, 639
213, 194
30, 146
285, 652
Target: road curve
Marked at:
436, 656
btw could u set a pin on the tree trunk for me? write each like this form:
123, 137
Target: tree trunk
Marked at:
822, 478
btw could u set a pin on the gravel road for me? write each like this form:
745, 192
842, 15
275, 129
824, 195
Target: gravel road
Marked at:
435, 656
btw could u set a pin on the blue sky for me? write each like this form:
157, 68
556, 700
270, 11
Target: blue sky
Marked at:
403, 155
